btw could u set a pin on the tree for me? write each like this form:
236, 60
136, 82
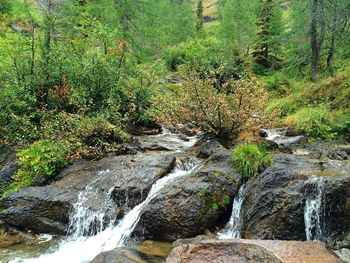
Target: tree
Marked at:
5, 6
268, 37
328, 24
338, 16
200, 18
317, 17
238, 26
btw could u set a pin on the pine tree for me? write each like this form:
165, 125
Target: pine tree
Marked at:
238, 26
200, 18
270, 29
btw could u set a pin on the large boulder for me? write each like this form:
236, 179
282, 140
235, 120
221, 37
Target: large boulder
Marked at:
251, 251
275, 201
126, 179
189, 206
120, 255
223, 251
42, 209
148, 251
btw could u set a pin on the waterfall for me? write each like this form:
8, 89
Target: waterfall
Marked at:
82, 220
233, 229
82, 247
313, 210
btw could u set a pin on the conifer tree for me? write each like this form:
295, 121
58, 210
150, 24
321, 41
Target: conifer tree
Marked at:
270, 29
200, 18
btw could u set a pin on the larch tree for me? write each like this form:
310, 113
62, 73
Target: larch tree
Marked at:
238, 26
268, 41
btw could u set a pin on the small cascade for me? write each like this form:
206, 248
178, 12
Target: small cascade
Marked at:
83, 245
274, 134
280, 137
234, 226
82, 220
313, 210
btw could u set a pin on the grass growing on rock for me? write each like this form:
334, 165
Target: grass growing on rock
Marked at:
250, 159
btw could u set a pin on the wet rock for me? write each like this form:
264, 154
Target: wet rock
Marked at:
8, 166
275, 200
154, 248
9, 237
119, 255
206, 146
193, 204
343, 254
345, 148
284, 138
46, 209
166, 142
242, 250
221, 251
142, 129
187, 129
41, 209
148, 251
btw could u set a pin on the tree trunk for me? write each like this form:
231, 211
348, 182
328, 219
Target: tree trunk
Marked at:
317, 15
314, 45
331, 50
32, 63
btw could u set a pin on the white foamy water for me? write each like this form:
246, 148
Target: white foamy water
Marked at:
233, 228
83, 244
312, 211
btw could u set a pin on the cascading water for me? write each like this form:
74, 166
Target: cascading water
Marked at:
313, 210
82, 245
234, 226
85, 222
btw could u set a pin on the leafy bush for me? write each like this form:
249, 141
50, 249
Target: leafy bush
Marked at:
249, 159
205, 56
5, 6
320, 122
18, 116
43, 159
91, 136
224, 111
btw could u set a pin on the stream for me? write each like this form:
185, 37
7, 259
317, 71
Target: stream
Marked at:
89, 233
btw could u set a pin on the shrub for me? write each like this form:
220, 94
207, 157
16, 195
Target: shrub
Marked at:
224, 111
205, 56
43, 159
91, 136
249, 159
18, 116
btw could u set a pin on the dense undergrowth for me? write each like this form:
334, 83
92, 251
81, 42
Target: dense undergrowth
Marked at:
321, 110
75, 79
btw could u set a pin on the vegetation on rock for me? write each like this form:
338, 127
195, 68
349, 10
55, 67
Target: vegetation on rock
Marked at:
250, 159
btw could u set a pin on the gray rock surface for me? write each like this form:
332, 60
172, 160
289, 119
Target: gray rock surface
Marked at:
193, 204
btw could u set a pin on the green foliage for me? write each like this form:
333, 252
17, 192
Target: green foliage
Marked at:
206, 57
18, 116
42, 160
200, 19
238, 27
320, 122
320, 110
249, 159
222, 109
215, 200
270, 25
5, 6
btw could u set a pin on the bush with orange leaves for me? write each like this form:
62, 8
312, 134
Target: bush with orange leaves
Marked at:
235, 108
